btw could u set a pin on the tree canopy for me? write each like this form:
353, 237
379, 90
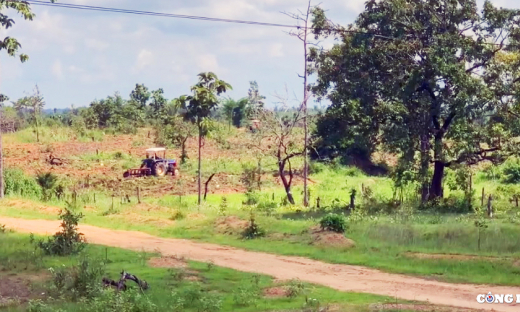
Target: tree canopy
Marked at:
435, 81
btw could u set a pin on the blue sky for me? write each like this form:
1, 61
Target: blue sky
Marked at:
78, 56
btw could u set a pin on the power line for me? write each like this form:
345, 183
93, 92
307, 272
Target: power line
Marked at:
149, 13
211, 19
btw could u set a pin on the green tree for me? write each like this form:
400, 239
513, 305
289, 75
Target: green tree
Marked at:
140, 95
199, 106
427, 72
11, 45
255, 101
178, 132
158, 103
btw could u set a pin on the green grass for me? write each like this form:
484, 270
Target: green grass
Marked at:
51, 135
18, 257
382, 241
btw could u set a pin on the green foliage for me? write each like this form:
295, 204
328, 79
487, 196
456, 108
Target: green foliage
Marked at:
17, 183
196, 298
10, 44
253, 230
47, 182
131, 300
177, 215
295, 289
511, 172
334, 222
223, 207
384, 87
68, 241
81, 281
451, 204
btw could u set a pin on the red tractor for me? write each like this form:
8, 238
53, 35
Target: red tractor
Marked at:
154, 165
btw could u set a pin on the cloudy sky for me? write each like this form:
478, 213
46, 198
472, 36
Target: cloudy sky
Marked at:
77, 56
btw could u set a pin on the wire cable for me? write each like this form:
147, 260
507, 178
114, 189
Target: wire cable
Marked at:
149, 13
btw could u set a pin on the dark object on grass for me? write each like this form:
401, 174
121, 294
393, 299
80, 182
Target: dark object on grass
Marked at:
121, 284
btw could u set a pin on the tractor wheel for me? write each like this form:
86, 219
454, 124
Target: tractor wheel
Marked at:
175, 172
160, 169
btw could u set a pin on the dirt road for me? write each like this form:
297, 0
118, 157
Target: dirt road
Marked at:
340, 277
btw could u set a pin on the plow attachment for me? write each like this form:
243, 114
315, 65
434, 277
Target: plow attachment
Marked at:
137, 172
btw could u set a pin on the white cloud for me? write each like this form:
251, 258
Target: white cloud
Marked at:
208, 62
96, 44
144, 59
57, 69
276, 50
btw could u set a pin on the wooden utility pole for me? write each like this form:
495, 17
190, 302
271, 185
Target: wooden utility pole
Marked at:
303, 34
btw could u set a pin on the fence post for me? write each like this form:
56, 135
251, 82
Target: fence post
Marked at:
138, 195
490, 207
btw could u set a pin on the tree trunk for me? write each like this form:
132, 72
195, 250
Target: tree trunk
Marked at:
184, 155
436, 190
425, 165
286, 184
206, 185
200, 173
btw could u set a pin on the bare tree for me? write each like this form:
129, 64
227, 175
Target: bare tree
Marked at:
283, 144
34, 104
302, 33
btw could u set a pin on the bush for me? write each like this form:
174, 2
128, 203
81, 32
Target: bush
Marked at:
253, 230
82, 280
69, 240
47, 182
511, 172
451, 204
130, 300
196, 298
177, 215
334, 222
17, 183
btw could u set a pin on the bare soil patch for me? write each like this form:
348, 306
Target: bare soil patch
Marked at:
20, 287
168, 262
276, 292
330, 239
230, 225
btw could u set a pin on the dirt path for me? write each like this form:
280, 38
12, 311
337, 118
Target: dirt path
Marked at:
340, 277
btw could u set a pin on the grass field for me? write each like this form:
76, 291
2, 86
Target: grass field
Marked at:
185, 286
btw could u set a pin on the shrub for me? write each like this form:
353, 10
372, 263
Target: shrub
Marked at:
79, 281
334, 222
511, 172
177, 215
196, 298
47, 182
451, 204
17, 183
131, 300
68, 241
246, 295
295, 289
253, 230
222, 208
